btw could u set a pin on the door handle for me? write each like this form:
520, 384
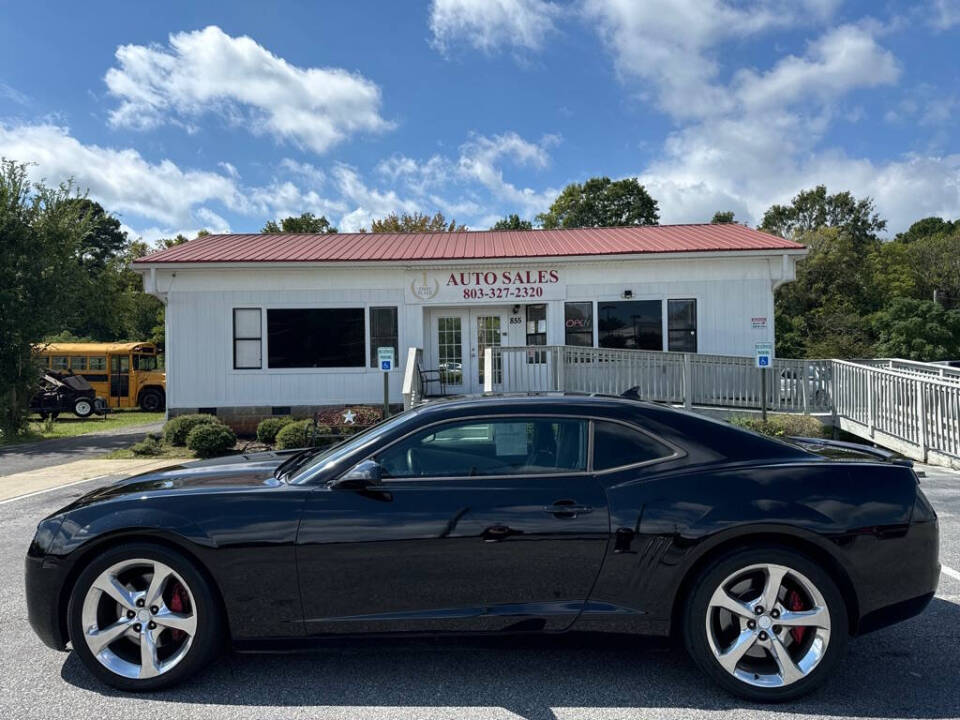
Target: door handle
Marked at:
567, 508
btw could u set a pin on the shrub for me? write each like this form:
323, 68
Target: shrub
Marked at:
176, 430
301, 434
268, 428
150, 445
209, 439
781, 425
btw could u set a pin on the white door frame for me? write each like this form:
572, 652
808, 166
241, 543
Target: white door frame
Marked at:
471, 358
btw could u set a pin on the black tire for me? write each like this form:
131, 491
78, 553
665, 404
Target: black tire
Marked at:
208, 640
695, 631
151, 400
83, 407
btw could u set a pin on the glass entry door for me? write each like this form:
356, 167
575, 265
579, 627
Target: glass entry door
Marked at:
490, 330
459, 338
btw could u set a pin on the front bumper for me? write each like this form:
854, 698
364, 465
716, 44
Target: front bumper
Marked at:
45, 612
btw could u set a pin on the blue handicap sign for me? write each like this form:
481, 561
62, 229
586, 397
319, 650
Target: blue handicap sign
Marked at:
385, 365
763, 361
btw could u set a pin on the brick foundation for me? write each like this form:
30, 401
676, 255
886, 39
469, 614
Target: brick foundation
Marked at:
244, 420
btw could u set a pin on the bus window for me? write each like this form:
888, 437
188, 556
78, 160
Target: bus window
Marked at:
144, 362
98, 363
58, 362
78, 362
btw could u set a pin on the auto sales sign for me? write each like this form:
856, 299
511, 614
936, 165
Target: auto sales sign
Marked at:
472, 285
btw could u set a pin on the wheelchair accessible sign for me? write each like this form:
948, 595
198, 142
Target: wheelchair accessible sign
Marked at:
385, 358
764, 354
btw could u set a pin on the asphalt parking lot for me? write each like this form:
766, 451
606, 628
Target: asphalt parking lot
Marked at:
908, 671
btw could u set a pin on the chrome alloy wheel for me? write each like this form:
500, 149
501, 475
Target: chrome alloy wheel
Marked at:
768, 625
139, 618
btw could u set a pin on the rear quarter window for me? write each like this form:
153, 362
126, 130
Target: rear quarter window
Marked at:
616, 445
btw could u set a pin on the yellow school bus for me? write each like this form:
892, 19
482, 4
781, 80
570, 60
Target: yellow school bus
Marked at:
126, 375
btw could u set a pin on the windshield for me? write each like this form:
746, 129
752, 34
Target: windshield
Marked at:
335, 454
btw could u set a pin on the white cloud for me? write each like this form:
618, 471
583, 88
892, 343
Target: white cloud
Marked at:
489, 25
480, 157
12, 94
748, 164
946, 14
667, 42
122, 180
842, 59
208, 71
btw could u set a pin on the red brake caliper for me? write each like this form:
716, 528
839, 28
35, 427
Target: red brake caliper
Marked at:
179, 602
795, 603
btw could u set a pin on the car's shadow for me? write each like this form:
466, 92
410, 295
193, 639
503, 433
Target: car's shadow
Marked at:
907, 671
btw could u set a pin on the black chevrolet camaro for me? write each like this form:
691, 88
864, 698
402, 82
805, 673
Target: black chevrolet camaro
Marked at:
496, 515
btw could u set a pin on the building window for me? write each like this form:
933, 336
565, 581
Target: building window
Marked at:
682, 325
578, 323
315, 338
247, 339
536, 332
383, 333
631, 324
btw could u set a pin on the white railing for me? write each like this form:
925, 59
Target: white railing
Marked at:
679, 378
915, 369
914, 415
412, 383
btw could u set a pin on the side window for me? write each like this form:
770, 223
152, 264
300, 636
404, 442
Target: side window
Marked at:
98, 363
58, 362
616, 445
504, 446
78, 363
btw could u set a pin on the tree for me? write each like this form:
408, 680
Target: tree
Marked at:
164, 243
306, 223
512, 222
825, 311
918, 330
415, 223
104, 238
814, 209
926, 227
41, 234
601, 202
721, 217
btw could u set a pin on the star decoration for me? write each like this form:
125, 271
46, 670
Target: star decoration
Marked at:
349, 417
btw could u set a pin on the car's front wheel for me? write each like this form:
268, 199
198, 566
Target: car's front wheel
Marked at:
142, 617
766, 624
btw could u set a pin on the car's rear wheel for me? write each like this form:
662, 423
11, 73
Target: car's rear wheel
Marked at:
83, 408
766, 624
142, 617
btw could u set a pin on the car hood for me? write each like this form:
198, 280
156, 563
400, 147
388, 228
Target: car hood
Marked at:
238, 472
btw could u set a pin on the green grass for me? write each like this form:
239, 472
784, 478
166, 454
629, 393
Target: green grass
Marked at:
169, 451
68, 425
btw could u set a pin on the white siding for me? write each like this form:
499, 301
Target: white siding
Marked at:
729, 292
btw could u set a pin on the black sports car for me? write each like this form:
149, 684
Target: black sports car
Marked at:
496, 515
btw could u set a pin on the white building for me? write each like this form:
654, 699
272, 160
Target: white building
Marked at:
261, 324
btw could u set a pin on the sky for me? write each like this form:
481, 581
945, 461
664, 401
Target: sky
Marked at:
178, 116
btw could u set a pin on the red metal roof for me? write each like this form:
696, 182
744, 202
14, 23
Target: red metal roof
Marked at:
487, 244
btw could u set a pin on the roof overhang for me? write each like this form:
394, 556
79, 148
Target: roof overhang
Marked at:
144, 265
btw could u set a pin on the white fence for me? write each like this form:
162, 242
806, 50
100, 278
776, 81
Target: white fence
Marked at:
912, 408
915, 369
916, 415
680, 378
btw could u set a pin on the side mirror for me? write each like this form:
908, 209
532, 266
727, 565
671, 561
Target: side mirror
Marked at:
361, 476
